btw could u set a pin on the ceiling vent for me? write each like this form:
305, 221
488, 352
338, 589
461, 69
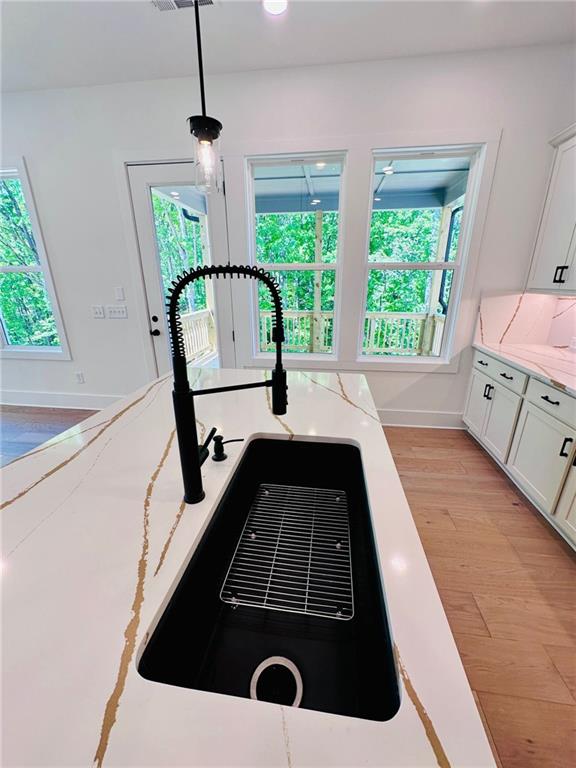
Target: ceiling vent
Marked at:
178, 5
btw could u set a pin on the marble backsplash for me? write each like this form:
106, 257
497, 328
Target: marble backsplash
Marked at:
526, 318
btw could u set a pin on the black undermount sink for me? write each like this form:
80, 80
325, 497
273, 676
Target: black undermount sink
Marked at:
282, 600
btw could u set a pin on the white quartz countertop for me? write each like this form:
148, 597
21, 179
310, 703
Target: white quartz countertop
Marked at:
552, 365
94, 535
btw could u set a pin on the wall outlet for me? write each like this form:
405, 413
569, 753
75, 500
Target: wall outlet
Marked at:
119, 293
117, 311
98, 312
79, 377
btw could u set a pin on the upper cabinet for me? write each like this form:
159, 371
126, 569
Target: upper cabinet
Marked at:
553, 265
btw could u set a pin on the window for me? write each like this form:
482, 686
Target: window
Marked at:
414, 256
27, 318
296, 205
181, 228
180, 225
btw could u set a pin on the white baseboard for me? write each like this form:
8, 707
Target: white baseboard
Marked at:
391, 417
56, 399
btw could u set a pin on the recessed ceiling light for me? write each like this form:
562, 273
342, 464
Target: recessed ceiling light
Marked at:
275, 7
315, 201
377, 199
387, 170
320, 165
175, 194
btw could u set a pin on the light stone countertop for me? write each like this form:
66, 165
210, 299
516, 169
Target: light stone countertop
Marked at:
94, 535
552, 365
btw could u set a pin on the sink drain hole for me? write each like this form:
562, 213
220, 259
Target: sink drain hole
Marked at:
277, 680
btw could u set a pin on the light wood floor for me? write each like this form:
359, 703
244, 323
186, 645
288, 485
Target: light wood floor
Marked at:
23, 429
508, 585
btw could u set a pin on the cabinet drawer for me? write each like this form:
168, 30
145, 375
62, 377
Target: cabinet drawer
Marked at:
502, 372
552, 401
484, 362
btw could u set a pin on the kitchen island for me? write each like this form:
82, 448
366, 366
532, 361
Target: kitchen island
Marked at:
95, 535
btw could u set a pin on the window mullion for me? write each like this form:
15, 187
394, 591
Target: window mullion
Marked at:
352, 272
411, 265
20, 268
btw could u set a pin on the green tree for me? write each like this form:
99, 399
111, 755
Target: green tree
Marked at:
25, 310
179, 248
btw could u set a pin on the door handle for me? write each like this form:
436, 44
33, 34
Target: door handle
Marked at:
505, 376
487, 389
567, 441
155, 332
552, 402
559, 274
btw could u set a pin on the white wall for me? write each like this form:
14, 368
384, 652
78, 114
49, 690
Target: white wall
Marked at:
75, 141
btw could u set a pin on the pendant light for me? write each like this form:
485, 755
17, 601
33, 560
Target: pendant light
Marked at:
206, 131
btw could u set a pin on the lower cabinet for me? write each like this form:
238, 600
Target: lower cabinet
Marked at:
565, 513
491, 412
540, 455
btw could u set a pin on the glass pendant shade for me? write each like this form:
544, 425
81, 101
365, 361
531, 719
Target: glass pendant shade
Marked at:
208, 167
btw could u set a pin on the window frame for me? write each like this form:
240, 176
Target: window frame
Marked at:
482, 141
258, 356
18, 169
459, 266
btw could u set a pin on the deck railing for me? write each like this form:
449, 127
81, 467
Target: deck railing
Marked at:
385, 333
199, 334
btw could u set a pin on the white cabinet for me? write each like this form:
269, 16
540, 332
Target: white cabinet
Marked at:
476, 404
565, 514
540, 455
500, 421
491, 412
553, 265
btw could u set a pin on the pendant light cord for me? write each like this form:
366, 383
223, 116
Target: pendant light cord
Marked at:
200, 64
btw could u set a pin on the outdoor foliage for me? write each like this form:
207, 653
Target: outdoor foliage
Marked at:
25, 310
401, 235
180, 248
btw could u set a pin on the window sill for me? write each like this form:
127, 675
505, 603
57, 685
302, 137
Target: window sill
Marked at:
315, 362
34, 353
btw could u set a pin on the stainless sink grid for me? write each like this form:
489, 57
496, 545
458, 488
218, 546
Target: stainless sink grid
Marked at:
294, 553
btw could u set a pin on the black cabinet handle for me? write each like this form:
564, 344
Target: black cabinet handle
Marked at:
155, 332
505, 376
552, 402
487, 389
559, 274
481, 362
567, 441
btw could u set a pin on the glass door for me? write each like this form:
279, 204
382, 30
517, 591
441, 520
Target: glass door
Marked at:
180, 228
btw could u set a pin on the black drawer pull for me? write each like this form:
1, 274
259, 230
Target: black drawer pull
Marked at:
559, 274
481, 362
567, 441
505, 376
552, 402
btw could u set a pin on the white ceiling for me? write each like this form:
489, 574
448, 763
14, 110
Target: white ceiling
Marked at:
90, 42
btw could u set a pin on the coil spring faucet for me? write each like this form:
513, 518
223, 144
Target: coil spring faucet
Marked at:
192, 455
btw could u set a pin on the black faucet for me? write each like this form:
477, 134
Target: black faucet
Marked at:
192, 455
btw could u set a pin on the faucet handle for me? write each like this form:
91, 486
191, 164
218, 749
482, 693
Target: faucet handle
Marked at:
203, 451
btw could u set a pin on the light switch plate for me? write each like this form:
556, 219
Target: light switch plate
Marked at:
119, 293
117, 311
98, 312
